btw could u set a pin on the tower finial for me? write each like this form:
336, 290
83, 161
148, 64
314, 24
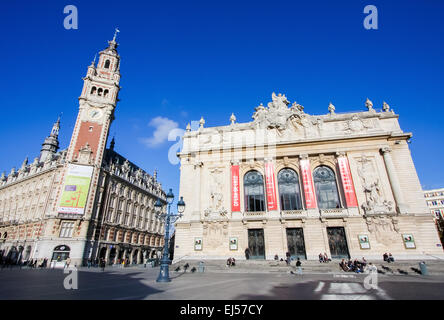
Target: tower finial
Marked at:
115, 34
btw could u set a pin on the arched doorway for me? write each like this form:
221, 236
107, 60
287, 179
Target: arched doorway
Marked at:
112, 255
102, 253
60, 253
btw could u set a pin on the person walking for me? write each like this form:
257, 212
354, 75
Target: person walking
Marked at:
247, 253
67, 262
299, 266
288, 260
102, 264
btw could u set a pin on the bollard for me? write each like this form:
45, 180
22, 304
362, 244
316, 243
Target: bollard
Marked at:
423, 268
201, 266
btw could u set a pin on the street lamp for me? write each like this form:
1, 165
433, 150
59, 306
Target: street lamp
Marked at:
169, 218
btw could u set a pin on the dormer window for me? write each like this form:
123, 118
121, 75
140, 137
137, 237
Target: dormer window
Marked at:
107, 63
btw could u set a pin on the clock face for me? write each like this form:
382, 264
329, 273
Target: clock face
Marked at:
95, 114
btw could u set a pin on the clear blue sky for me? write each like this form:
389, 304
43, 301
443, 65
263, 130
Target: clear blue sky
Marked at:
186, 59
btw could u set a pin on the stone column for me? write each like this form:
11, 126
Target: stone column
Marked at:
139, 256
401, 207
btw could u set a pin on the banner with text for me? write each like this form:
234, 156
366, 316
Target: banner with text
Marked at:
271, 186
307, 181
235, 194
75, 189
347, 182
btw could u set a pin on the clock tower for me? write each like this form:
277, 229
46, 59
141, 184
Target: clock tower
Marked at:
96, 108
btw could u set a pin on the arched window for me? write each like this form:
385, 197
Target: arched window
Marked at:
254, 191
93, 90
107, 63
326, 188
289, 190
99, 92
105, 93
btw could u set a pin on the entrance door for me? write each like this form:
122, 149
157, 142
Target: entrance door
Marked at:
256, 243
338, 243
295, 243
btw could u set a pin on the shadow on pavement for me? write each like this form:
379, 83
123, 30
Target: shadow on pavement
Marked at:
48, 284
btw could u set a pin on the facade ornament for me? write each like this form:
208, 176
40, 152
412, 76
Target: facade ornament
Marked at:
3, 177
369, 104
24, 164
85, 154
232, 118
202, 122
385, 107
331, 108
375, 204
340, 154
188, 129
303, 156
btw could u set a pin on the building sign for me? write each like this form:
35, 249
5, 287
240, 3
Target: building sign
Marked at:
363, 241
307, 180
347, 182
75, 189
270, 186
235, 194
233, 243
198, 244
409, 241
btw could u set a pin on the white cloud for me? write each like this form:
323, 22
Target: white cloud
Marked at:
160, 135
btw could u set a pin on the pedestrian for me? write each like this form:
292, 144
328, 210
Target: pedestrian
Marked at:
102, 264
247, 253
67, 262
299, 266
288, 255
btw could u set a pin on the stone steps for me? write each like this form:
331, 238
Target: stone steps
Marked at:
265, 266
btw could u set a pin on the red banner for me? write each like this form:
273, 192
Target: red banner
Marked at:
271, 186
307, 180
235, 195
347, 182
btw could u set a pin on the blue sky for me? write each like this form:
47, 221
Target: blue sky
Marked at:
185, 59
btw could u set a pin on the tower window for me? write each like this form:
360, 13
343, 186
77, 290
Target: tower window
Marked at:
107, 63
90, 129
99, 92
93, 90
105, 93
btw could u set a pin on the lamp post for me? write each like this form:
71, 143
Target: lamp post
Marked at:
169, 218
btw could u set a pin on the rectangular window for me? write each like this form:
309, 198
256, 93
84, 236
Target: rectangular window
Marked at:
66, 229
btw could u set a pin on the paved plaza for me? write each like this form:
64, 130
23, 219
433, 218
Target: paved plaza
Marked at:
139, 283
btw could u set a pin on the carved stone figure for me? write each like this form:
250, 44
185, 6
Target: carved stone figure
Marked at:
370, 183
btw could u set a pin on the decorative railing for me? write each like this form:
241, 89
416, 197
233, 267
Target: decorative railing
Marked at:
333, 212
254, 213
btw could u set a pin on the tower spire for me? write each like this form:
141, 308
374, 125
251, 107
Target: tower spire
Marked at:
115, 34
51, 143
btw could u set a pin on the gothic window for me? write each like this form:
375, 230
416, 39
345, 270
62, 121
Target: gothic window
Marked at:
326, 188
289, 190
254, 191
107, 63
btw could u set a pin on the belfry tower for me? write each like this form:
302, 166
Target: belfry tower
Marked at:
96, 107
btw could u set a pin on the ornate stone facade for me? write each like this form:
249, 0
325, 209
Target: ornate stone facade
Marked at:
354, 190
117, 218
